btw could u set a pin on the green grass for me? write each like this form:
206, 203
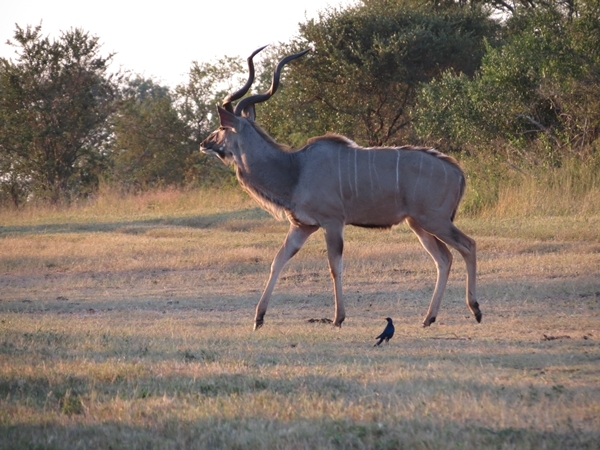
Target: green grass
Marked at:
127, 323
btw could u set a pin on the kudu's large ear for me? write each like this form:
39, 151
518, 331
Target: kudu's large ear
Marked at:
227, 119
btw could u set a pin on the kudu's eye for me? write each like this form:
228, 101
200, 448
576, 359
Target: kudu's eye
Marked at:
223, 129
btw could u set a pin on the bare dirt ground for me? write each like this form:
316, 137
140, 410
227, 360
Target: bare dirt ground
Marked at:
121, 332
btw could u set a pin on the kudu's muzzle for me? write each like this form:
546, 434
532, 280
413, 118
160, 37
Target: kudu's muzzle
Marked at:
211, 146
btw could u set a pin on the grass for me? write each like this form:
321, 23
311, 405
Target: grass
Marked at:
127, 323
498, 188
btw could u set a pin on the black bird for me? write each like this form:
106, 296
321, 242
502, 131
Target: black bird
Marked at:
388, 332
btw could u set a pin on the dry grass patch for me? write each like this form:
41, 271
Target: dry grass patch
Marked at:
137, 333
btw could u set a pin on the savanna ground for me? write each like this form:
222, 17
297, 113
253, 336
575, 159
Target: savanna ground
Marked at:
127, 323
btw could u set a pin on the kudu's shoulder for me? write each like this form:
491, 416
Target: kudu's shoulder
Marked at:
332, 138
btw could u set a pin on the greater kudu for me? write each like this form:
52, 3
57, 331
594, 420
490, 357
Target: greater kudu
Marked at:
332, 182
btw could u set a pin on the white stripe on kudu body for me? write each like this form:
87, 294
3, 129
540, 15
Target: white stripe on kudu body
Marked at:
332, 182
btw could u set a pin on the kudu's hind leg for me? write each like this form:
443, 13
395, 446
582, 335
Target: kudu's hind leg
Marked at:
443, 261
467, 248
334, 238
294, 240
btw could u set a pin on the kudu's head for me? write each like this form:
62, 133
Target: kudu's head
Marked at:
224, 141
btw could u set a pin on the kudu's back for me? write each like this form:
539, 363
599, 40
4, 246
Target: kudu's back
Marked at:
376, 187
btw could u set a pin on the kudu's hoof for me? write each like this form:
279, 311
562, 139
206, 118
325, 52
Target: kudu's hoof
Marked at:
258, 324
428, 322
338, 324
476, 312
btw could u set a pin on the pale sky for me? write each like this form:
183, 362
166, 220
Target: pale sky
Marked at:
161, 39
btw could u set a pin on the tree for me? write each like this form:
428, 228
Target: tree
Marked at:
54, 103
151, 145
361, 78
196, 103
537, 94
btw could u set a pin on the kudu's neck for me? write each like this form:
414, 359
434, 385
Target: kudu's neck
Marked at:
265, 170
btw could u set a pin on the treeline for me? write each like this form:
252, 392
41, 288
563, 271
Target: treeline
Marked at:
507, 86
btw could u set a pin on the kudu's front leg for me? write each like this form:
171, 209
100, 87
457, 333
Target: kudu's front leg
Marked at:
334, 237
295, 239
